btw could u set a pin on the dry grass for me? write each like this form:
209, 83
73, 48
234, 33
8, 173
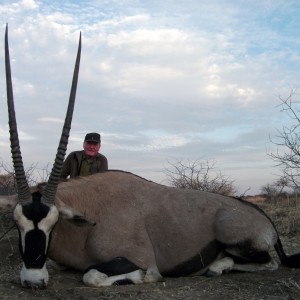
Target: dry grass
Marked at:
285, 213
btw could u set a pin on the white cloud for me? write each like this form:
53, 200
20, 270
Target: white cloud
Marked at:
51, 120
28, 4
127, 20
147, 141
58, 18
162, 80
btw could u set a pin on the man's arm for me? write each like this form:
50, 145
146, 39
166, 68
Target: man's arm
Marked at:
66, 169
104, 164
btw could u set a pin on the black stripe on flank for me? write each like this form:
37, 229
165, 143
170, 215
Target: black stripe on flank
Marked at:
196, 263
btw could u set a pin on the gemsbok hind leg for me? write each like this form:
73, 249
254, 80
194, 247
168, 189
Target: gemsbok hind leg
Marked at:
248, 259
248, 267
246, 239
227, 264
220, 266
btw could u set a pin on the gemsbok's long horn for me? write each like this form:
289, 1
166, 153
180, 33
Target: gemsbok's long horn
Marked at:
22, 184
54, 178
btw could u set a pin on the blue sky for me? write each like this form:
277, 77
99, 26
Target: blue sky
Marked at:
160, 80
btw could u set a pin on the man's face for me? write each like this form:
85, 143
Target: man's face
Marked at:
91, 149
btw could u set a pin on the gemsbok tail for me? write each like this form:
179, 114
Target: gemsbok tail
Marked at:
291, 261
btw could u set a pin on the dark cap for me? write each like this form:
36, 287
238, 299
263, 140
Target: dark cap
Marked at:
93, 137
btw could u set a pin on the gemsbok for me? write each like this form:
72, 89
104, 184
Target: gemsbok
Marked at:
117, 227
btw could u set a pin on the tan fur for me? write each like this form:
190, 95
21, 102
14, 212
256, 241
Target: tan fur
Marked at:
152, 225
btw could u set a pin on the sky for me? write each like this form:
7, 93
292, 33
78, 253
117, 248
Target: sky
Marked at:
161, 81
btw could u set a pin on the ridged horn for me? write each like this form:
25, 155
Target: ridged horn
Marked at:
54, 178
22, 184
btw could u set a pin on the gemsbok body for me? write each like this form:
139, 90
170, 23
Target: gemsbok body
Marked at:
117, 227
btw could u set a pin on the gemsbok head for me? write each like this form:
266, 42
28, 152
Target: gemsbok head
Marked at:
35, 214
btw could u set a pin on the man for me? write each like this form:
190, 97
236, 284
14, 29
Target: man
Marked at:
87, 161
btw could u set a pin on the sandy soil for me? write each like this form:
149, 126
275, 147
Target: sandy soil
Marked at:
281, 284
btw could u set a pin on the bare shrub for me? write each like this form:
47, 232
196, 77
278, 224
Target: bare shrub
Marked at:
33, 174
7, 184
199, 175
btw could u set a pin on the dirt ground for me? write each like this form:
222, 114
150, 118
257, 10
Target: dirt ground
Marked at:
281, 284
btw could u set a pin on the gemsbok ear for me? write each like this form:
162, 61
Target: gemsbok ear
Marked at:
72, 215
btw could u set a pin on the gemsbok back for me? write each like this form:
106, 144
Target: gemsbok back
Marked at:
117, 227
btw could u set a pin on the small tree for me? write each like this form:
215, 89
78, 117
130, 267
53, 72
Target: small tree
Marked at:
288, 143
33, 174
199, 175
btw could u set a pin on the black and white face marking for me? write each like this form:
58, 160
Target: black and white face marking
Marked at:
35, 222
